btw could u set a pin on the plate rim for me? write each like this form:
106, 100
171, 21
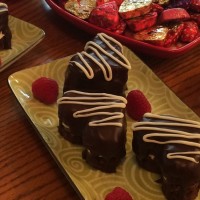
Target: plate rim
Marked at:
35, 42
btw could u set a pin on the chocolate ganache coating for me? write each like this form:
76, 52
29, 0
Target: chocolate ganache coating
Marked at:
170, 146
105, 145
5, 33
97, 121
101, 67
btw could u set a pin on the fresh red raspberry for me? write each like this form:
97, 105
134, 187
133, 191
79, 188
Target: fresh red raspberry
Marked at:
137, 105
118, 193
45, 90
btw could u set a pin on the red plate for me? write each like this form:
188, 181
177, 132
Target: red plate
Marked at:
129, 42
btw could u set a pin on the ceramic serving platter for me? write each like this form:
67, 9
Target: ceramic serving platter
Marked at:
135, 45
89, 183
25, 36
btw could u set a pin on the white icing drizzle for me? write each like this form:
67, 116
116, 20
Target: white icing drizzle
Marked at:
171, 118
1, 35
3, 7
177, 155
157, 131
95, 101
98, 51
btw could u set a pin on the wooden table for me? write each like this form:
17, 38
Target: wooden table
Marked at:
27, 170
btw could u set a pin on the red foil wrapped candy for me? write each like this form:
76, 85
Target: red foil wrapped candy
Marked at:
195, 5
179, 4
173, 14
105, 16
140, 23
189, 32
175, 30
160, 35
196, 18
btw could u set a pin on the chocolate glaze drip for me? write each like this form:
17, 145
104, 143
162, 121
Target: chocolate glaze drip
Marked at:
180, 175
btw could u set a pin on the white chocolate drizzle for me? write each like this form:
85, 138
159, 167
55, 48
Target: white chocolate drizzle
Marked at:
169, 135
99, 104
101, 53
3, 7
1, 35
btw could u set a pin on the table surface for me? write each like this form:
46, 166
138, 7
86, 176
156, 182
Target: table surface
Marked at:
27, 169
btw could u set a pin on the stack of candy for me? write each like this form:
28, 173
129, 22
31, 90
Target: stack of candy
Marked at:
159, 22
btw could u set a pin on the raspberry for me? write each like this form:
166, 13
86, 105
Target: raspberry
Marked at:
118, 193
137, 105
45, 90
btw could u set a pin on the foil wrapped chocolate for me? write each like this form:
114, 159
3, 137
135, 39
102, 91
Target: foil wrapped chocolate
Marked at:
100, 2
190, 31
196, 17
155, 35
81, 8
179, 4
142, 22
120, 27
161, 2
134, 8
160, 35
195, 5
157, 8
175, 30
173, 14
105, 16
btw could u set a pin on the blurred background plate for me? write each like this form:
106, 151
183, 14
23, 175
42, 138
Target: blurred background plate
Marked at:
25, 36
135, 45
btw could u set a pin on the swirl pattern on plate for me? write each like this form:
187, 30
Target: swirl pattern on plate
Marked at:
93, 184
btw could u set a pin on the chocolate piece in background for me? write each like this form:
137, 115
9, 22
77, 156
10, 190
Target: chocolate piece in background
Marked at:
5, 32
170, 146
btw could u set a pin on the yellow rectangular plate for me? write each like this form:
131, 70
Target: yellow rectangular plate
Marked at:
92, 184
25, 36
